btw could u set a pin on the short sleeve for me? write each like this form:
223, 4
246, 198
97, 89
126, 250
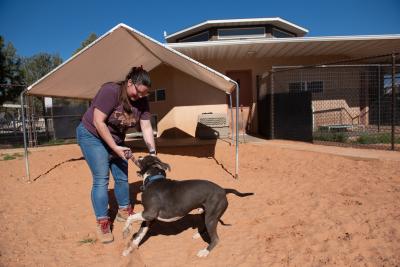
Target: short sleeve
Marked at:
107, 98
142, 108
145, 110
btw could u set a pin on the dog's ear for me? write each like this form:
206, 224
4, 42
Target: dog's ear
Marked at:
137, 161
165, 166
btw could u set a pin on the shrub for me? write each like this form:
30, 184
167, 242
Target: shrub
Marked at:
331, 137
383, 138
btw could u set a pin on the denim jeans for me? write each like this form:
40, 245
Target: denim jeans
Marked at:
97, 155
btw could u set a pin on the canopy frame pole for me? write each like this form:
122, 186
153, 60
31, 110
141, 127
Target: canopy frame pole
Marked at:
230, 107
237, 132
22, 96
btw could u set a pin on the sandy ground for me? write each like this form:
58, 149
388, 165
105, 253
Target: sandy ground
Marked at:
309, 209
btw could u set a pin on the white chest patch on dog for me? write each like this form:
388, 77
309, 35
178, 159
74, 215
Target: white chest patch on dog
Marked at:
168, 220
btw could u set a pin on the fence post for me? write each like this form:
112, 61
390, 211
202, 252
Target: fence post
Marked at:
272, 106
379, 98
393, 96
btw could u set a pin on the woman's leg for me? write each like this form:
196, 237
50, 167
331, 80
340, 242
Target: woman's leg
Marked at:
97, 157
119, 170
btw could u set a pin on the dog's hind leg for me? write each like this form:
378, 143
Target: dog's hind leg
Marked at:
212, 232
136, 241
211, 222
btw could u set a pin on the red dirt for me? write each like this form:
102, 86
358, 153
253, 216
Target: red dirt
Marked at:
310, 209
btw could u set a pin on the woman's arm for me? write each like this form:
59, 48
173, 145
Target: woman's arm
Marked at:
148, 137
99, 119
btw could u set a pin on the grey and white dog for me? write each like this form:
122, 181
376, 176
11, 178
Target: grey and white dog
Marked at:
168, 200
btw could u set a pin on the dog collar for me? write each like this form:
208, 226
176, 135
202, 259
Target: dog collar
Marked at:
151, 179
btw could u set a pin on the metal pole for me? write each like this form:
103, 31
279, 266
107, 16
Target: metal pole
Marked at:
230, 106
24, 133
237, 132
243, 128
393, 95
379, 98
271, 113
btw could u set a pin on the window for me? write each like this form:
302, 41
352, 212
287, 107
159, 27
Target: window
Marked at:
387, 83
297, 87
281, 34
231, 33
157, 95
160, 95
313, 86
200, 37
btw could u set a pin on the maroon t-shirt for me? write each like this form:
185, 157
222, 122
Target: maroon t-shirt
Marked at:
118, 121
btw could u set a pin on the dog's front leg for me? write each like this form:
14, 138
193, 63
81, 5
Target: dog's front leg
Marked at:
129, 221
138, 238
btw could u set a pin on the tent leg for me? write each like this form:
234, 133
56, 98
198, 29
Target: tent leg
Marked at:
230, 107
24, 133
237, 133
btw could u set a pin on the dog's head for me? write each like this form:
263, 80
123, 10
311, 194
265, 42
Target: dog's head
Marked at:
151, 165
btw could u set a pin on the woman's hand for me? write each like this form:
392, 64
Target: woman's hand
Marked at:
123, 152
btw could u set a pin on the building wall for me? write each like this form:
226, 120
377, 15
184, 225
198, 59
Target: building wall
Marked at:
259, 67
186, 99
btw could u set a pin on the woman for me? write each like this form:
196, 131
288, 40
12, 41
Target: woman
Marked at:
101, 134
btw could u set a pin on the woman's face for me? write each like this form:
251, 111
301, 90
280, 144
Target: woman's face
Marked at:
136, 91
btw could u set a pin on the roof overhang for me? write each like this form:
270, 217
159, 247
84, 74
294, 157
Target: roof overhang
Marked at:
278, 22
345, 46
110, 57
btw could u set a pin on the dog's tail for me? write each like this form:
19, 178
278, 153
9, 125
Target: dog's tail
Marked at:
235, 192
224, 224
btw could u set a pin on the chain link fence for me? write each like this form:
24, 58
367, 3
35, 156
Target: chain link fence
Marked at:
52, 124
349, 103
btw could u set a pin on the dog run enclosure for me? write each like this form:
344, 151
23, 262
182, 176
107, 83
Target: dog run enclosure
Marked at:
350, 103
122, 47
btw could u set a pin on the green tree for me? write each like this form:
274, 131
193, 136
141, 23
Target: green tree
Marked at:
85, 43
11, 76
34, 68
37, 66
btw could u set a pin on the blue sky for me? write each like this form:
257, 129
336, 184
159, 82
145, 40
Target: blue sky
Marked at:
56, 26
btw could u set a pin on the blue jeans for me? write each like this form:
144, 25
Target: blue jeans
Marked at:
97, 155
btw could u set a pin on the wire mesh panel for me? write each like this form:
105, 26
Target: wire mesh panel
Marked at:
43, 125
352, 104
212, 125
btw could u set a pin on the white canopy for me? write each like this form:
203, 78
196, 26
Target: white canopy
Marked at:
110, 57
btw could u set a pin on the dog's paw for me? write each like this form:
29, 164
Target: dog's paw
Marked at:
203, 253
126, 252
196, 235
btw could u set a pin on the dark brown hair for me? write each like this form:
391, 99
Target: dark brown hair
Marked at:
138, 76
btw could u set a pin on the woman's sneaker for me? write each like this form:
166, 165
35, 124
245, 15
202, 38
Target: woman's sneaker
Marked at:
124, 213
103, 231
